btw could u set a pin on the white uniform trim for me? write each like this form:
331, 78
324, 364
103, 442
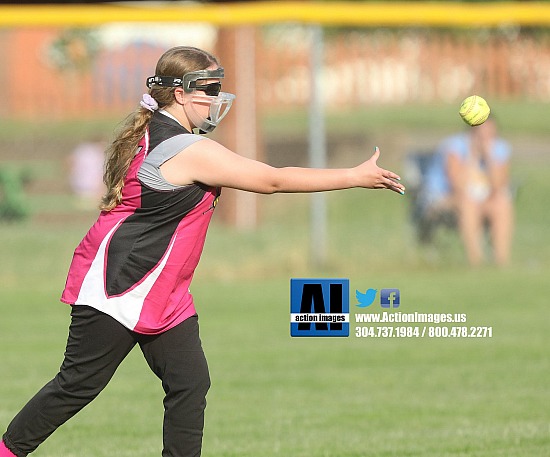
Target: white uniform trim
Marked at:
125, 308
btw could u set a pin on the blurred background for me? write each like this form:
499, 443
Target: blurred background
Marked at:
315, 81
399, 88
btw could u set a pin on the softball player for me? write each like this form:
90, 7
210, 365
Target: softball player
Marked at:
128, 283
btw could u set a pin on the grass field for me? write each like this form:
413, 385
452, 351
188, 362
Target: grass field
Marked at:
273, 395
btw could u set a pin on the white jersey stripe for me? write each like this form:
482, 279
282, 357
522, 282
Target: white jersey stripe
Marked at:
125, 308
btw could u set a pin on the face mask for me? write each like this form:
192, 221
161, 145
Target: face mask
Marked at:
218, 108
219, 102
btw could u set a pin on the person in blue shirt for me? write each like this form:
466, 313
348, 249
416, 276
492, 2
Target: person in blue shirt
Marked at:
470, 176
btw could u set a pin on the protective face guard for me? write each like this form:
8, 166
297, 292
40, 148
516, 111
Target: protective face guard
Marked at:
219, 104
219, 107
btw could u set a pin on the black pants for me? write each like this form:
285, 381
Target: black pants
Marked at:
96, 346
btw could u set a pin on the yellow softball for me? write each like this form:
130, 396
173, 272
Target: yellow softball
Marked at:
474, 110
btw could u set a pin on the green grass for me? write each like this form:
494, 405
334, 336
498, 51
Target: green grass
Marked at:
273, 395
277, 396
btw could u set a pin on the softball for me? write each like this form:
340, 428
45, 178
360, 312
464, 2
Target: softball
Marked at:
474, 110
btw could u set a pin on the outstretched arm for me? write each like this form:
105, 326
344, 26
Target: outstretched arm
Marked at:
210, 163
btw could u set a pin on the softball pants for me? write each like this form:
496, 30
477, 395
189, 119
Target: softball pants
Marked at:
96, 346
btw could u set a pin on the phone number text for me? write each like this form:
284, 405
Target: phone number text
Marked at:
430, 331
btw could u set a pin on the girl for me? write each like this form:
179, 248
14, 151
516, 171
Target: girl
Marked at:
129, 279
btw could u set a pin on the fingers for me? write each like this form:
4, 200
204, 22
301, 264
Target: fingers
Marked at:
392, 175
388, 179
396, 187
391, 181
393, 185
381, 178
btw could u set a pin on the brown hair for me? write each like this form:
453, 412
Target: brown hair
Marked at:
175, 62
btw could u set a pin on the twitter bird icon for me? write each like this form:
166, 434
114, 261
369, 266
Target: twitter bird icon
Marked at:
365, 299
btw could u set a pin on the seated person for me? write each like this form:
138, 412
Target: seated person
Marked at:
470, 176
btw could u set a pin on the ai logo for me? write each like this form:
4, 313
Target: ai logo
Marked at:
319, 307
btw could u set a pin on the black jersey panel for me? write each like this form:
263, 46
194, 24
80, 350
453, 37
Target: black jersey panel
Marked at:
142, 239
162, 128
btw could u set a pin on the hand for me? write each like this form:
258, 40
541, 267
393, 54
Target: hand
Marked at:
371, 176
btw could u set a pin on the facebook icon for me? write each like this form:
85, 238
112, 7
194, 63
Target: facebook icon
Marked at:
390, 298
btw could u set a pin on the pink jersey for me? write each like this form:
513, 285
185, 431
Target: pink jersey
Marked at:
137, 261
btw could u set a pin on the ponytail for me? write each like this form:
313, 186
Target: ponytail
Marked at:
120, 154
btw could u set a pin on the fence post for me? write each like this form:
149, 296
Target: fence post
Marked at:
317, 148
240, 131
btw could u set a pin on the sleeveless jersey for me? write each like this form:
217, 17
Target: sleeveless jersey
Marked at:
137, 261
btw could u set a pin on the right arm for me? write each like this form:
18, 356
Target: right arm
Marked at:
212, 164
